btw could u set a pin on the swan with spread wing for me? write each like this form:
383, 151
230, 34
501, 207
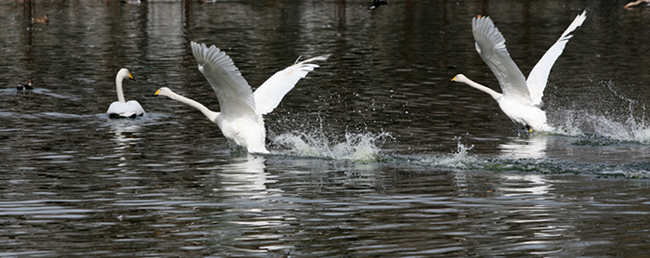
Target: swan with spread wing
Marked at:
521, 99
240, 118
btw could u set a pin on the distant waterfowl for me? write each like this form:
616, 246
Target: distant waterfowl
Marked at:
28, 86
241, 113
122, 108
636, 3
521, 99
44, 19
377, 3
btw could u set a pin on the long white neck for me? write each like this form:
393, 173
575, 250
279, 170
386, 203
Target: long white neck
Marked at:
211, 115
482, 88
118, 86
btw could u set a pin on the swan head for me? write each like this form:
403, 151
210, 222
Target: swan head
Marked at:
460, 78
124, 74
164, 91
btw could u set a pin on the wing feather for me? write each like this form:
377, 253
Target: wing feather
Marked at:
491, 46
269, 95
538, 77
233, 92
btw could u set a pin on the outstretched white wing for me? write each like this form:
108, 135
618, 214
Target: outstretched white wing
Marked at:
271, 92
234, 94
491, 46
538, 77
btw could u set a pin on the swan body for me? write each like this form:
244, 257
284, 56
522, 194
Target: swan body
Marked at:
122, 108
240, 118
521, 99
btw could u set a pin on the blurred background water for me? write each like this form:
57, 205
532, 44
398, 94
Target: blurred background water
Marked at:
376, 153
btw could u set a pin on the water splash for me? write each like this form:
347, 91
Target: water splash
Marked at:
460, 159
621, 124
361, 147
580, 123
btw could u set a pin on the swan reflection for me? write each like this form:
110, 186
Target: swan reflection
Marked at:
125, 132
243, 184
516, 185
531, 148
244, 175
125, 135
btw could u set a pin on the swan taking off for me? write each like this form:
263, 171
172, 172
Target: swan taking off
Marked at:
522, 98
121, 108
241, 113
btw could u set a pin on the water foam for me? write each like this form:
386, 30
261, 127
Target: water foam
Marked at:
361, 147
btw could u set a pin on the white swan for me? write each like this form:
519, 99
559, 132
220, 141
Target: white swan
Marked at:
121, 108
521, 99
241, 113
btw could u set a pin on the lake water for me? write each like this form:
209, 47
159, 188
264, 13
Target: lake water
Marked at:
374, 154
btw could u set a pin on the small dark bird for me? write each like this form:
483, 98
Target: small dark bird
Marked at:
43, 19
28, 86
377, 3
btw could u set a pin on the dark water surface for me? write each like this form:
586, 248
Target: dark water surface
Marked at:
376, 153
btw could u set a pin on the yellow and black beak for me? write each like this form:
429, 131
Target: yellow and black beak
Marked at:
131, 77
454, 79
156, 94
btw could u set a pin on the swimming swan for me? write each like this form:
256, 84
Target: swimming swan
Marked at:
241, 113
121, 108
521, 99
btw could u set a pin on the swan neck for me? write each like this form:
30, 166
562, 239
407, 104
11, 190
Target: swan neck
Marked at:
211, 115
483, 88
118, 86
